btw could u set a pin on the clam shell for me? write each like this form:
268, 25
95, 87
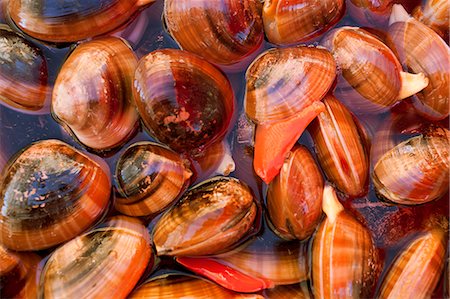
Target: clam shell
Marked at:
297, 291
434, 14
209, 218
50, 192
149, 177
92, 97
294, 197
106, 262
222, 32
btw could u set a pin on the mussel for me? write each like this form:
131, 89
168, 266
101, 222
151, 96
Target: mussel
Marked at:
23, 73
208, 219
341, 148
420, 49
184, 101
149, 177
282, 102
294, 197
295, 21
345, 262
71, 20
223, 32
371, 79
106, 262
434, 14
92, 97
415, 171
49, 193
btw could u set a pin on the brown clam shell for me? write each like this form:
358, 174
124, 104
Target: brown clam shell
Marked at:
208, 219
415, 171
297, 291
223, 32
92, 97
295, 21
435, 14
149, 177
50, 192
340, 147
106, 262
71, 20
294, 197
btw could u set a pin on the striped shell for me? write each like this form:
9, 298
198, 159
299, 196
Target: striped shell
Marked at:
435, 14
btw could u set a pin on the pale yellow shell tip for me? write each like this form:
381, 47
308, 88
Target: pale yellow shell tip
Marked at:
330, 203
398, 14
412, 84
142, 3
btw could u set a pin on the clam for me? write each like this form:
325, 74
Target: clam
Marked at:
415, 171
344, 259
297, 291
92, 97
416, 271
184, 101
294, 197
50, 192
434, 14
371, 79
295, 21
341, 148
23, 73
106, 262
420, 49
282, 103
208, 219
70, 20
149, 177
223, 32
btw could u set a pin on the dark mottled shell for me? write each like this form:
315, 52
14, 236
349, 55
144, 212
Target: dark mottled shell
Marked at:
149, 177
71, 20
50, 193
23, 72
222, 32
184, 101
106, 262
92, 97
208, 219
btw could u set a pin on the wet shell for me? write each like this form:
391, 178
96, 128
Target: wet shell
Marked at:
415, 273
435, 14
222, 32
49, 194
420, 49
371, 78
344, 259
294, 21
297, 291
341, 148
106, 262
92, 97
184, 101
208, 219
23, 72
71, 20
294, 197
415, 171
149, 177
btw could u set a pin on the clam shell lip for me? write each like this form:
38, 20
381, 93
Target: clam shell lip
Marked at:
50, 193
208, 219
92, 96
71, 20
90, 264
224, 32
273, 92
186, 119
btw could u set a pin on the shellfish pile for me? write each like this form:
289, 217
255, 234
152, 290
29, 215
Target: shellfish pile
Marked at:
229, 148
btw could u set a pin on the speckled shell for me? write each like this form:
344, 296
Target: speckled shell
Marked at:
71, 20
294, 21
105, 262
92, 97
415, 171
50, 193
208, 219
222, 32
23, 72
184, 101
294, 197
149, 177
